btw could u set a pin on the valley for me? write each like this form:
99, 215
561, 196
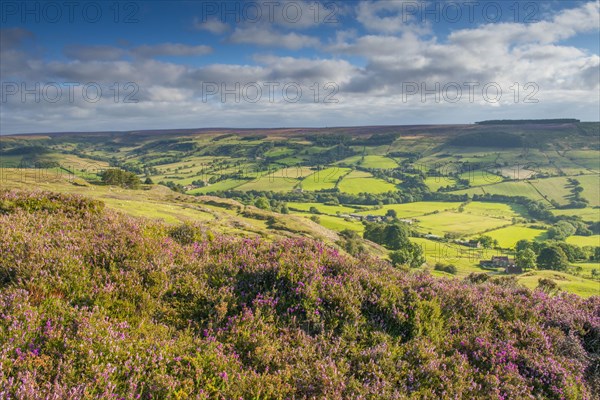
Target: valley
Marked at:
447, 184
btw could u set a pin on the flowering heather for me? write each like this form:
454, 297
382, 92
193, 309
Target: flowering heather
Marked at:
94, 304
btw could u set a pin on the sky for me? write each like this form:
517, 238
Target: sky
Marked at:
133, 65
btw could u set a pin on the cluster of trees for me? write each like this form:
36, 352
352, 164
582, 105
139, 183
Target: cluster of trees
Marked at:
551, 255
176, 187
119, 177
488, 139
333, 196
528, 121
272, 205
351, 242
565, 228
395, 236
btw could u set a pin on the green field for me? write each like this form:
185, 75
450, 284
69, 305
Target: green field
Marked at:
323, 208
268, 183
324, 179
436, 182
460, 223
556, 189
465, 259
591, 188
566, 282
339, 224
409, 210
520, 188
498, 210
360, 182
581, 241
219, 186
507, 237
480, 177
586, 214
378, 162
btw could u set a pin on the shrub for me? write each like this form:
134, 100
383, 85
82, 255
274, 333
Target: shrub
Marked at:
95, 304
449, 268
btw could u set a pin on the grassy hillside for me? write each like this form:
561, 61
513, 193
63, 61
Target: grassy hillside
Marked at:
98, 304
459, 182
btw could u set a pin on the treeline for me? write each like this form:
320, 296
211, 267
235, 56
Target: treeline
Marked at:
488, 139
552, 255
528, 121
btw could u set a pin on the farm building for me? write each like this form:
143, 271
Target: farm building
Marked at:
469, 243
502, 261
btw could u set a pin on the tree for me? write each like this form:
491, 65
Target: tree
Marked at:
553, 257
262, 203
522, 245
596, 253
561, 230
118, 177
391, 213
351, 242
547, 285
411, 255
148, 181
526, 259
395, 236
487, 241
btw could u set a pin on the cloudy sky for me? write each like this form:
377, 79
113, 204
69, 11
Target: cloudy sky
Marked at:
90, 66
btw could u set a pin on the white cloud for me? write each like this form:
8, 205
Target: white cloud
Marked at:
212, 25
262, 35
170, 93
390, 16
91, 53
171, 49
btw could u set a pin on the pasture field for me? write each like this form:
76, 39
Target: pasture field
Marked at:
567, 282
293, 172
520, 188
169, 213
227, 184
378, 162
586, 214
269, 183
591, 188
436, 182
581, 241
465, 260
585, 158
324, 179
459, 223
323, 208
557, 189
360, 182
498, 210
336, 223
409, 210
507, 237
481, 177
587, 268
279, 152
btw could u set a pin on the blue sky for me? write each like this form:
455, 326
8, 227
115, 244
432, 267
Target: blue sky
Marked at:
355, 63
